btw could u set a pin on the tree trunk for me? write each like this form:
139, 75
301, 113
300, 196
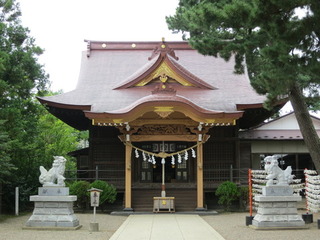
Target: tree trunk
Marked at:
307, 129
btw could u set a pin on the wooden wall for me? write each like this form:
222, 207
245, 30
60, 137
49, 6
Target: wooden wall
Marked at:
221, 151
108, 153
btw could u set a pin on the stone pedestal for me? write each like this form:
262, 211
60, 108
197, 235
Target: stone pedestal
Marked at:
94, 227
277, 209
53, 208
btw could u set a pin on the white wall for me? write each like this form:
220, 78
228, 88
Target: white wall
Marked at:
278, 147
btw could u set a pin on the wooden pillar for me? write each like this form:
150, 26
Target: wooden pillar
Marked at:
200, 178
128, 179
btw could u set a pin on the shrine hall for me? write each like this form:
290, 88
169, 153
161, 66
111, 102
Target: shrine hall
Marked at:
163, 120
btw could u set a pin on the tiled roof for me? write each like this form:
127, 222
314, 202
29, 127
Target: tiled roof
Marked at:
110, 70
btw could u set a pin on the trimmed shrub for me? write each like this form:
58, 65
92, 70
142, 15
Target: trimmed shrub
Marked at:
80, 189
109, 193
227, 193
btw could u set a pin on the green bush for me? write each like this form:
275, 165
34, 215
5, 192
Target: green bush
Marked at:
227, 193
244, 197
109, 193
80, 189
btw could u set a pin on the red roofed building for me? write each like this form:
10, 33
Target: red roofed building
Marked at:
160, 116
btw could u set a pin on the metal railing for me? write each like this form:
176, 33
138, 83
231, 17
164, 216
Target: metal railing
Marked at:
217, 175
113, 176
210, 175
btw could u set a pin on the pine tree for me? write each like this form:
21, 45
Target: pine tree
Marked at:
277, 41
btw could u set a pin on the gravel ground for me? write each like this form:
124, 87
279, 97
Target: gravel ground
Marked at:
11, 229
230, 225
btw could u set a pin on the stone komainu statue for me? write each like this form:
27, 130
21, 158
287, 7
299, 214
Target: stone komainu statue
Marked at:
53, 177
273, 170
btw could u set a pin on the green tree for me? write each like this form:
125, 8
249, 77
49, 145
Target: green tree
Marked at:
6, 167
279, 47
50, 137
55, 138
21, 78
30, 135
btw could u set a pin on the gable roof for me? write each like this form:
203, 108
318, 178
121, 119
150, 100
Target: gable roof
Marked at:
284, 127
115, 75
163, 66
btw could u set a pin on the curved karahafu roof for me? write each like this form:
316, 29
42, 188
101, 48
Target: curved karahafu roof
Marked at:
122, 80
164, 102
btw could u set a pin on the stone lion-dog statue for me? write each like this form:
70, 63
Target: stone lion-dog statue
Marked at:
53, 177
273, 170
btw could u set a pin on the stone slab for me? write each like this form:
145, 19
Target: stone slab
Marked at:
53, 218
53, 211
294, 198
279, 228
94, 227
53, 191
67, 224
277, 204
53, 204
279, 224
278, 218
52, 221
277, 211
37, 198
52, 228
277, 191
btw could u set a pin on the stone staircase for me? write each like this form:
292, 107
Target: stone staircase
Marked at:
185, 199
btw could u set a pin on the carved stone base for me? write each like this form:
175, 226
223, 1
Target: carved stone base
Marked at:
277, 191
277, 210
53, 208
53, 191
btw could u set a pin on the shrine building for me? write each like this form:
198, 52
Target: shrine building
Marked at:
161, 118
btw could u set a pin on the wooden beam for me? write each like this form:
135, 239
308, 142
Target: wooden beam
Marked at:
177, 121
150, 138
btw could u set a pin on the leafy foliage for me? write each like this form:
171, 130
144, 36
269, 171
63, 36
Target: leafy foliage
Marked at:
6, 167
55, 138
29, 136
244, 197
227, 193
279, 46
109, 193
21, 77
278, 42
80, 189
